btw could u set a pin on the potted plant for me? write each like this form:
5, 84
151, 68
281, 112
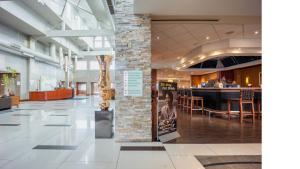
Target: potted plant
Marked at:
5, 82
9, 80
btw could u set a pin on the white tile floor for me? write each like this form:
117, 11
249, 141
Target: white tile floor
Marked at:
16, 142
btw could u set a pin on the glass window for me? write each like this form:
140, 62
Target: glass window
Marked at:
106, 44
81, 65
94, 65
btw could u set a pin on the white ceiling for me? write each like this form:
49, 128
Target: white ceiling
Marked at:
178, 26
172, 41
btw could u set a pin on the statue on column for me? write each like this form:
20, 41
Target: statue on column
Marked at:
104, 81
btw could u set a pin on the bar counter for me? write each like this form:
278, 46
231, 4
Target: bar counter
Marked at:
57, 94
216, 98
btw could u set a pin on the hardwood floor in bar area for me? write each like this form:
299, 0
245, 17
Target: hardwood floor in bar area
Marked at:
201, 130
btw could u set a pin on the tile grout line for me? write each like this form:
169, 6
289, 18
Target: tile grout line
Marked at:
117, 162
169, 156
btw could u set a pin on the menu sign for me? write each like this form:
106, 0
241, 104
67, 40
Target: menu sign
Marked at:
133, 83
167, 113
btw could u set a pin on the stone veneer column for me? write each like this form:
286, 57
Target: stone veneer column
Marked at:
133, 52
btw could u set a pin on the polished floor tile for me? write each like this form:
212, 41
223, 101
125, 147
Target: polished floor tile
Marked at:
235, 149
94, 165
3, 162
16, 142
188, 149
186, 162
144, 160
92, 150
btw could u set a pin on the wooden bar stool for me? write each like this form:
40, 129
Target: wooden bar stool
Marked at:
197, 104
246, 98
186, 100
179, 98
258, 104
182, 100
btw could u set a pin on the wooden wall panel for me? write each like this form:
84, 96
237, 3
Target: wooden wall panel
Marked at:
197, 79
253, 75
238, 75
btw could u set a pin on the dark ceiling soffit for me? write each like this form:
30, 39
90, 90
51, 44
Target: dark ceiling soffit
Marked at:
211, 63
110, 6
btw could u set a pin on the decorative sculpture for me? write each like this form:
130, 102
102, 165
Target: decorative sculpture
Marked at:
104, 81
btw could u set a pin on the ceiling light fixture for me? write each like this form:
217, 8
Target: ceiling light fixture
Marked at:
207, 38
256, 32
157, 37
202, 57
182, 60
178, 57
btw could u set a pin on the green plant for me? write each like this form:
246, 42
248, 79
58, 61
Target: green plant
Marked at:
8, 79
12, 71
5, 80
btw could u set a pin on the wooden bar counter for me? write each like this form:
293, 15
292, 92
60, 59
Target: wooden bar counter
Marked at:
57, 94
216, 98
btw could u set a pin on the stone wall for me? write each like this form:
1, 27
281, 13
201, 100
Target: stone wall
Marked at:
133, 52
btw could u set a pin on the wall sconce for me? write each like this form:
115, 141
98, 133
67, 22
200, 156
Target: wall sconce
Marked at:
247, 80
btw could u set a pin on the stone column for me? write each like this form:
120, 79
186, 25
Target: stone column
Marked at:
133, 52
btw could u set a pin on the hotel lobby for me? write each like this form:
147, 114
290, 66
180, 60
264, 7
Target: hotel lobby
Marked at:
144, 84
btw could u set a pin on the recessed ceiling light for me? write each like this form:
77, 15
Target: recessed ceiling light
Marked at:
157, 37
178, 57
256, 32
201, 57
207, 38
182, 60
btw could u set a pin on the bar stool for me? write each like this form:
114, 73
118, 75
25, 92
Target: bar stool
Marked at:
181, 98
178, 97
195, 104
187, 100
258, 104
246, 97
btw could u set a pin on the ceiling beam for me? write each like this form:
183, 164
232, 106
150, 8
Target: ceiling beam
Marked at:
104, 51
78, 33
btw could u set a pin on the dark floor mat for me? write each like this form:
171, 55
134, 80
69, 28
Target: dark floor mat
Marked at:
231, 162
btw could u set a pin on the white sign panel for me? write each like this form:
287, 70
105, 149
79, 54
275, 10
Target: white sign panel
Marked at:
133, 83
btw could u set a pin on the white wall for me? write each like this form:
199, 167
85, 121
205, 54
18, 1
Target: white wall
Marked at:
21, 63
